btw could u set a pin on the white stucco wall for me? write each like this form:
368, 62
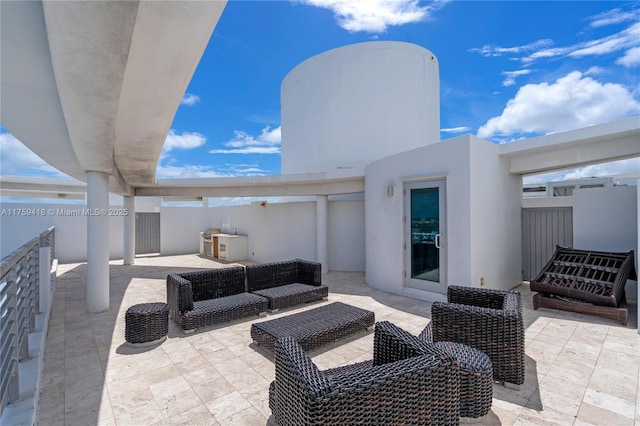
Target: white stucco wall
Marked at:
346, 235
496, 229
359, 103
277, 231
482, 208
71, 231
606, 219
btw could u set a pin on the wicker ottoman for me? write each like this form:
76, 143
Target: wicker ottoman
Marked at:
476, 380
146, 324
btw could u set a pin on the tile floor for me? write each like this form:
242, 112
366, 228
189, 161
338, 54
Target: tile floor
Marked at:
581, 370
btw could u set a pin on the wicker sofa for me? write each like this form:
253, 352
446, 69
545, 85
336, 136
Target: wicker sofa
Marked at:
198, 299
287, 283
486, 319
407, 382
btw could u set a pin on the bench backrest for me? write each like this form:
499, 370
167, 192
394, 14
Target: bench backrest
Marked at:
216, 283
275, 274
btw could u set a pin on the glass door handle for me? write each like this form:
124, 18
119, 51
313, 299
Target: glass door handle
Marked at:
437, 241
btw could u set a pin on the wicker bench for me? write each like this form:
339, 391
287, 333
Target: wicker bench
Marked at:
199, 299
314, 328
287, 283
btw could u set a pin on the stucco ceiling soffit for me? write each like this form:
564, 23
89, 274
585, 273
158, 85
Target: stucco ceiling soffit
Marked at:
31, 108
118, 185
89, 44
167, 43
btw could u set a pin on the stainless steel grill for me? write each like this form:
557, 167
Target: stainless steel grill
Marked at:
207, 241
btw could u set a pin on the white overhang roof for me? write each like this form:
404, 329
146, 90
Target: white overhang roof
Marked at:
602, 143
94, 86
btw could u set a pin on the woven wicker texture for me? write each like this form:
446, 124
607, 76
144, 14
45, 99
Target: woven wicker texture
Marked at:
419, 390
488, 320
591, 276
476, 378
287, 283
587, 282
292, 294
314, 328
198, 299
146, 322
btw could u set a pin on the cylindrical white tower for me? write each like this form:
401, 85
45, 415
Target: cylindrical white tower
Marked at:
356, 104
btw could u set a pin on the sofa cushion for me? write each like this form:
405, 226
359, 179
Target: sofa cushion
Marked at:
212, 311
292, 294
224, 303
285, 290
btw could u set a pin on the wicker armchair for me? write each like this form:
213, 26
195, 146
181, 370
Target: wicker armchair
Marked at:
199, 299
407, 382
486, 319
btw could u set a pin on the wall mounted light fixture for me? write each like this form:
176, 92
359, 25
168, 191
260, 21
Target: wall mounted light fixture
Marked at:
391, 190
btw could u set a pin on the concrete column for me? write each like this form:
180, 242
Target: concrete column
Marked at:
129, 229
205, 201
97, 241
322, 231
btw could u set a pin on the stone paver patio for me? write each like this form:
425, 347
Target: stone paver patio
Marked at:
581, 370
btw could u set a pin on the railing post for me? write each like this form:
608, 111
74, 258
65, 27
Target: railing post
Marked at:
9, 352
45, 279
33, 259
22, 286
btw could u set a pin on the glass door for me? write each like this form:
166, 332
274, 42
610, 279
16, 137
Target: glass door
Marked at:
425, 241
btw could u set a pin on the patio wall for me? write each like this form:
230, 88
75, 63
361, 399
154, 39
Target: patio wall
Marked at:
606, 219
71, 231
277, 231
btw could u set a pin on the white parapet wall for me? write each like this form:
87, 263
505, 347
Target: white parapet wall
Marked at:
276, 231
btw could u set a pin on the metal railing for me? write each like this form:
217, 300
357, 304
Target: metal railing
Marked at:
19, 304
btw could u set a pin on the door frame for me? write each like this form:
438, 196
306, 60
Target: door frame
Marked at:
439, 182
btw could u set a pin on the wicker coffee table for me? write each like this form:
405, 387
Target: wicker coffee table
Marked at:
314, 328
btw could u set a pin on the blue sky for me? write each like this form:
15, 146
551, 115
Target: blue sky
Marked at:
508, 70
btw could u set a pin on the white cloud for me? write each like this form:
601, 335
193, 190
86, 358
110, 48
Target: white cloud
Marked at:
595, 70
571, 102
541, 49
456, 129
511, 76
186, 171
17, 159
189, 99
631, 58
627, 38
375, 16
187, 140
628, 167
267, 142
622, 167
491, 50
614, 16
